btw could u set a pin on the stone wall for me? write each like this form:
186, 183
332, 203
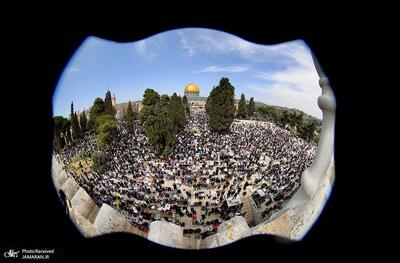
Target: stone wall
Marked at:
83, 203
90, 219
108, 220
168, 234
229, 231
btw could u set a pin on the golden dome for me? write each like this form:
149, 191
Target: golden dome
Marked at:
192, 88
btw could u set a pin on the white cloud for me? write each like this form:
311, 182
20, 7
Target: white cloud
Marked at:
149, 48
196, 41
295, 87
291, 82
186, 45
73, 70
238, 68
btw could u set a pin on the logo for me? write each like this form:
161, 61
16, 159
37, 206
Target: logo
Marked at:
11, 254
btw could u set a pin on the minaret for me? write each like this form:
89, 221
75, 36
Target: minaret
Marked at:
114, 100
114, 104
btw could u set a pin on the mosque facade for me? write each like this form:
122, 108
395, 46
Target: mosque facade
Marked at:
191, 90
196, 102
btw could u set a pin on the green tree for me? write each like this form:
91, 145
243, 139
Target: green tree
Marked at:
106, 130
83, 122
57, 143
186, 105
79, 131
181, 113
316, 138
267, 112
251, 108
160, 130
150, 99
220, 107
95, 111
296, 119
176, 113
306, 131
98, 159
273, 114
108, 107
163, 118
135, 113
76, 130
61, 131
129, 118
58, 123
242, 109
67, 130
164, 100
285, 118
159, 127
167, 151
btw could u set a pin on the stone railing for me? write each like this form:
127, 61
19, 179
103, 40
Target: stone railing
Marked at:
314, 175
302, 210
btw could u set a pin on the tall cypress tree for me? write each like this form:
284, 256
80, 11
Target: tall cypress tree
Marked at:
135, 111
83, 122
67, 130
74, 123
242, 109
220, 107
72, 109
129, 118
78, 128
186, 105
176, 112
251, 108
108, 107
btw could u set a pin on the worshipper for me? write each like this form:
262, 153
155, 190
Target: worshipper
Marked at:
204, 170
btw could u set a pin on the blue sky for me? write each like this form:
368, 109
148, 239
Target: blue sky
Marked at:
282, 75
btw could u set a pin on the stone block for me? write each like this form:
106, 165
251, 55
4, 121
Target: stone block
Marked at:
168, 234
82, 203
70, 187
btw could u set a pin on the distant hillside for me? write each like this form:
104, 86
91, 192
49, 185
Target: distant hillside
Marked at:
280, 109
122, 106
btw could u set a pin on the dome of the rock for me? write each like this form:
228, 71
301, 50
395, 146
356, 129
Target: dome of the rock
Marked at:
192, 90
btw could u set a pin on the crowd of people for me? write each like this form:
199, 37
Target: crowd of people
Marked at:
203, 182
